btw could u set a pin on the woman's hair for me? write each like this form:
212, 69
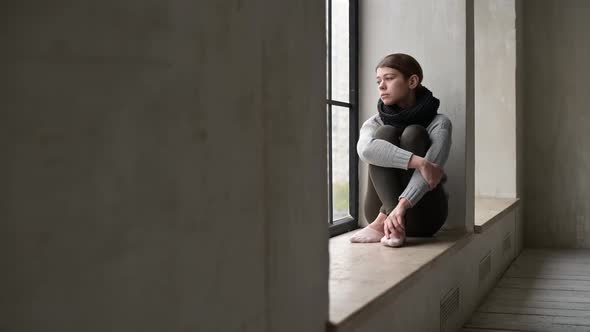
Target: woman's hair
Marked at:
406, 64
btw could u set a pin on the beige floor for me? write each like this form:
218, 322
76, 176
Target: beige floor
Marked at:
543, 290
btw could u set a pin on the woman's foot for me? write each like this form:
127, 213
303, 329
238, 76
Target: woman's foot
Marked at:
372, 233
395, 240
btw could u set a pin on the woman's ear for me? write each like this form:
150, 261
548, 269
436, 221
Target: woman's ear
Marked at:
414, 81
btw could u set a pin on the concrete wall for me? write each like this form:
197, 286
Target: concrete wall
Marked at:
162, 166
495, 98
557, 123
434, 32
499, 100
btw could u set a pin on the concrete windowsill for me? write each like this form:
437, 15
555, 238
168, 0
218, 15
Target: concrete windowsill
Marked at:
488, 210
365, 275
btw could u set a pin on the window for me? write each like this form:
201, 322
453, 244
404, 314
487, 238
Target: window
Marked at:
342, 114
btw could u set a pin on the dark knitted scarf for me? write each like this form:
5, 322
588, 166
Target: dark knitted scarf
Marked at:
421, 113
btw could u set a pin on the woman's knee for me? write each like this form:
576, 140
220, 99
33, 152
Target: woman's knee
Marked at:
415, 139
388, 133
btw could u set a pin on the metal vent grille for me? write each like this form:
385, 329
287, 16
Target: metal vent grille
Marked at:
485, 266
449, 304
507, 243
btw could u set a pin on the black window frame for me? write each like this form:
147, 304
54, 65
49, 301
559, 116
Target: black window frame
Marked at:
350, 222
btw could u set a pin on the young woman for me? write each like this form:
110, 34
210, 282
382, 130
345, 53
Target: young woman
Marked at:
405, 144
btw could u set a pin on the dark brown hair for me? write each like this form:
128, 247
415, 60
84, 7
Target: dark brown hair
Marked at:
405, 63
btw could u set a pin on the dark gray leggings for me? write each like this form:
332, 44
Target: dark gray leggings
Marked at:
386, 184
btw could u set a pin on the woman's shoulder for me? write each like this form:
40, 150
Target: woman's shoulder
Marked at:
374, 120
441, 117
440, 120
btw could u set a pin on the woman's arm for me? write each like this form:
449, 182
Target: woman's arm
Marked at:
440, 132
377, 151
430, 171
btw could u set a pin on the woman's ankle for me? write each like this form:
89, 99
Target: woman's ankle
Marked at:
379, 221
376, 226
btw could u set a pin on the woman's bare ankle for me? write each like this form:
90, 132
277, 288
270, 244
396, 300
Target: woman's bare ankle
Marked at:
378, 223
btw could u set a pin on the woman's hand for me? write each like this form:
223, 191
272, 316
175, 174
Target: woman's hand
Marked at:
396, 222
431, 172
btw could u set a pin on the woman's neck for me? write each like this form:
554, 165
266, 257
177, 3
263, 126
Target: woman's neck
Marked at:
408, 102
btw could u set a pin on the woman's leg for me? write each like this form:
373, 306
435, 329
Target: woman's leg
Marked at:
388, 182
430, 213
372, 201
374, 231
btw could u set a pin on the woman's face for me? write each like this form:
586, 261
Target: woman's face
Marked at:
392, 85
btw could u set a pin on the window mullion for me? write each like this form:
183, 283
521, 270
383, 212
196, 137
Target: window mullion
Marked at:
354, 117
330, 191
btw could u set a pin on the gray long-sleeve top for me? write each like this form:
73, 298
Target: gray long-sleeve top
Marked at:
382, 153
